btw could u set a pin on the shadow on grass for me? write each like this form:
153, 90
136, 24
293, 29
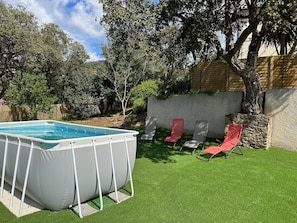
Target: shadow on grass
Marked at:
158, 150
162, 152
206, 156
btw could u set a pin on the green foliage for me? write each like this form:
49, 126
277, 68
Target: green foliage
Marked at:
230, 28
282, 28
29, 93
18, 30
141, 93
53, 48
174, 87
29, 48
81, 96
130, 55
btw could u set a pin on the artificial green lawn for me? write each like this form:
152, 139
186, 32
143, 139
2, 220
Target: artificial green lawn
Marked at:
260, 186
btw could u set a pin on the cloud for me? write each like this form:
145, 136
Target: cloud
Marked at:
94, 57
74, 17
82, 18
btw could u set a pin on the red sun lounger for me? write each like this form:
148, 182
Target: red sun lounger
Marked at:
176, 130
228, 145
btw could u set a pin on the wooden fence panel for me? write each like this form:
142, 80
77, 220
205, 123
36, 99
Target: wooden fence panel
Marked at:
274, 72
235, 83
263, 71
7, 114
210, 75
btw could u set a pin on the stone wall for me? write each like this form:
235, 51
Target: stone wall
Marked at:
256, 130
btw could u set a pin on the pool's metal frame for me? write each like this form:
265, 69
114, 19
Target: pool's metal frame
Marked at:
109, 143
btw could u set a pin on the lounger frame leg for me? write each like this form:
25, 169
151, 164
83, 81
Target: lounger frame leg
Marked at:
211, 157
241, 153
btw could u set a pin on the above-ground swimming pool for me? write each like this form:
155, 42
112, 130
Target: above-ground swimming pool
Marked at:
60, 164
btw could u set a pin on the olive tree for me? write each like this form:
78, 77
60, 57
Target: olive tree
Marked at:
224, 26
129, 56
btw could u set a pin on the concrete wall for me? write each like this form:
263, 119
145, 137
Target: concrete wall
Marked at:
212, 108
281, 106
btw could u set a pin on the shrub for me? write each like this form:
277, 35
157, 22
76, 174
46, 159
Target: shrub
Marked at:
29, 94
174, 87
141, 93
81, 97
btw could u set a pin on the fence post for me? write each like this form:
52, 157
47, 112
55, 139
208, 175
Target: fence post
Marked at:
270, 69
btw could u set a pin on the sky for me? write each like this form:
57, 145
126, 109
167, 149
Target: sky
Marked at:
77, 18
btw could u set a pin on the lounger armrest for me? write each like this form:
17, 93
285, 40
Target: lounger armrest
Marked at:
235, 145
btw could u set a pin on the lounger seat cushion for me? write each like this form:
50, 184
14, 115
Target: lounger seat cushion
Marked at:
213, 150
192, 144
149, 136
172, 138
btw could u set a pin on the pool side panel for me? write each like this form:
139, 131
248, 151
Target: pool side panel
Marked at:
51, 179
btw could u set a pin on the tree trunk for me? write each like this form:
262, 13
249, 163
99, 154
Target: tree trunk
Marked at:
123, 104
5, 85
252, 103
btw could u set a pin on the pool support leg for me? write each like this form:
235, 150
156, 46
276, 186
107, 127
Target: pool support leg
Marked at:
3, 168
113, 172
26, 179
129, 167
98, 175
15, 172
76, 180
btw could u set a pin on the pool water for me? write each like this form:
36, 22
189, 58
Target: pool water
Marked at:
50, 132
